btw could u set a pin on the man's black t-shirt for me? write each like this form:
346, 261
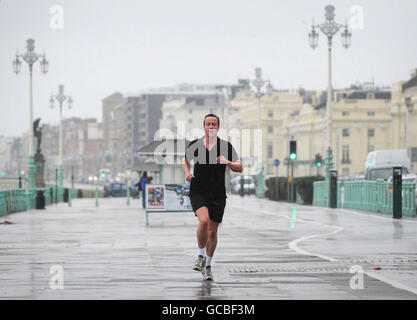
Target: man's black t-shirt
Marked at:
208, 174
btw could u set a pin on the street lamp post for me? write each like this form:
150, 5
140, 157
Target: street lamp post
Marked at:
410, 106
259, 83
228, 96
95, 180
60, 97
30, 57
329, 28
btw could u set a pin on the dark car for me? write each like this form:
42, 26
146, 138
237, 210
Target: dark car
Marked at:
117, 189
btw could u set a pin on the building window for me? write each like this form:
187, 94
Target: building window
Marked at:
270, 151
270, 113
371, 132
190, 120
345, 172
270, 129
346, 132
345, 113
345, 154
190, 110
371, 113
371, 148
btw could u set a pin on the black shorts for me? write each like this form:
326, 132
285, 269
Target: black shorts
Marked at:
215, 207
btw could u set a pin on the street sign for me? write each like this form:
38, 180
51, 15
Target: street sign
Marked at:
276, 163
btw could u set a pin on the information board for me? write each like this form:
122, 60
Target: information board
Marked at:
168, 197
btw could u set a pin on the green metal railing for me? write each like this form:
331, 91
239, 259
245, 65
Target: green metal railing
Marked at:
17, 200
321, 191
367, 195
12, 201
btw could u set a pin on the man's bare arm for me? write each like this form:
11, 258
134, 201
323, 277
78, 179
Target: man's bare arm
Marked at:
235, 166
186, 167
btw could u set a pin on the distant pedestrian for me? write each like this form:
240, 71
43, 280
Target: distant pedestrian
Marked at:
143, 183
139, 184
210, 155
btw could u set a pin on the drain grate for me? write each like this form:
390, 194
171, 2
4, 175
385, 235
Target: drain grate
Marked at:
312, 270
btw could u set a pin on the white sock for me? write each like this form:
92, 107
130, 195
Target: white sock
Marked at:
202, 252
208, 261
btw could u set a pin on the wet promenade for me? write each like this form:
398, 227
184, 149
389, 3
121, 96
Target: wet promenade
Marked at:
266, 250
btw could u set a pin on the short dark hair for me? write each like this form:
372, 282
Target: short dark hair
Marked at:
211, 115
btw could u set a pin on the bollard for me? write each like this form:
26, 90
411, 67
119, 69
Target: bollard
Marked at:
96, 197
69, 197
397, 192
40, 200
242, 186
333, 189
66, 195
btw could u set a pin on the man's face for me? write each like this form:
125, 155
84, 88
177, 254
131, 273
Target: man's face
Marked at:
211, 126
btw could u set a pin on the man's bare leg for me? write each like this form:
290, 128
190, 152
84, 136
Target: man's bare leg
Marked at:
212, 238
202, 230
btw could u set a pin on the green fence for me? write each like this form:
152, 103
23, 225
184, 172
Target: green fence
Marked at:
321, 191
367, 195
17, 200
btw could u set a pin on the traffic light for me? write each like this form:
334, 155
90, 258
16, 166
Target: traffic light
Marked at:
318, 160
22, 172
293, 149
3, 173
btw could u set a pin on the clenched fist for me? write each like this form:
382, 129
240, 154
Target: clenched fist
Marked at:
222, 160
189, 177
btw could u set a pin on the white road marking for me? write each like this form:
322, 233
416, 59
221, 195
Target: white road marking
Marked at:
294, 246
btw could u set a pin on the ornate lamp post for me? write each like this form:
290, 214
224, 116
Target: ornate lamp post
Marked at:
410, 106
259, 83
60, 97
30, 57
329, 28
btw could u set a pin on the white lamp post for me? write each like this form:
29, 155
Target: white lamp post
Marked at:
329, 28
30, 57
61, 97
259, 83
410, 106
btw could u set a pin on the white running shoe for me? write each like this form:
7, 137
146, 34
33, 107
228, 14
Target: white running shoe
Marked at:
199, 263
207, 273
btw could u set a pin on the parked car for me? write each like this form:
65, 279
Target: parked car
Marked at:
248, 185
117, 189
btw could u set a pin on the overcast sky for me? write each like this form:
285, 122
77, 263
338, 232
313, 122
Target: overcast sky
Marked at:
128, 45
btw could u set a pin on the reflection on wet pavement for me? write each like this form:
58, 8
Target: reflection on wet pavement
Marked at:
109, 253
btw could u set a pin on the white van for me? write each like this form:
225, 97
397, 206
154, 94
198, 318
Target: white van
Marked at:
379, 163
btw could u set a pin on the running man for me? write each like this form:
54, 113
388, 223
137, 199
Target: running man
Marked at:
210, 156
